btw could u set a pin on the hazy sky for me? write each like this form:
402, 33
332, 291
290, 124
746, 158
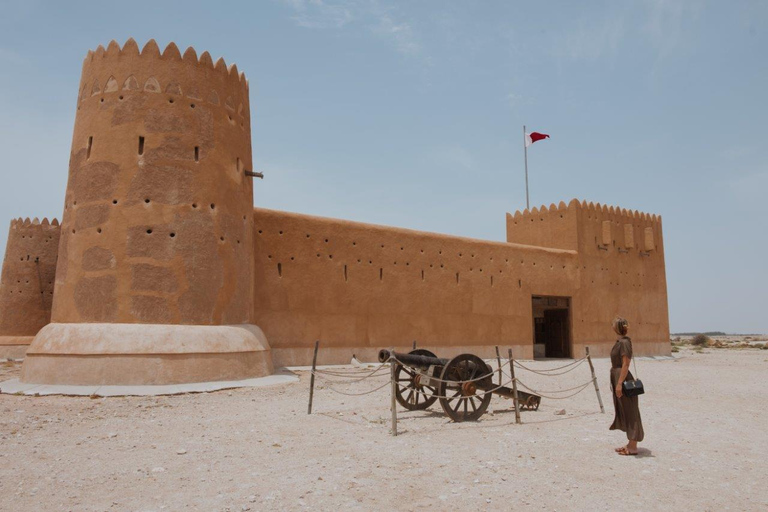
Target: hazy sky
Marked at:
410, 114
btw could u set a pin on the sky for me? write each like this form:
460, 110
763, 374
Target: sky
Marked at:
410, 114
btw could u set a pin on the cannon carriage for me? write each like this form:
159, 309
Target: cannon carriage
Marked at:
463, 385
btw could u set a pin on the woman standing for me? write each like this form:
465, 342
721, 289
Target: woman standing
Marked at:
627, 416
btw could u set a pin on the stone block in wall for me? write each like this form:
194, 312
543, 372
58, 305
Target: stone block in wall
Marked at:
629, 236
649, 244
606, 234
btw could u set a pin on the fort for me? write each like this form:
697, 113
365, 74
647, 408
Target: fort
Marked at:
163, 272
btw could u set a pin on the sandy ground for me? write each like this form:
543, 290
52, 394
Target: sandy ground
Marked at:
256, 449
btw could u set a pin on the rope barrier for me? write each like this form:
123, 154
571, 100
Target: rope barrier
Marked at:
548, 372
580, 389
354, 376
358, 394
437, 379
341, 372
320, 373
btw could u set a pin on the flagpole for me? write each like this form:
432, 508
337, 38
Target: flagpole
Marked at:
525, 151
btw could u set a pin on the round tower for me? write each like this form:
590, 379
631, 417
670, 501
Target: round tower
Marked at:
155, 270
26, 284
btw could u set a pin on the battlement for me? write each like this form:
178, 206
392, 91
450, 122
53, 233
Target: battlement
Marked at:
575, 204
34, 224
115, 69
573, 226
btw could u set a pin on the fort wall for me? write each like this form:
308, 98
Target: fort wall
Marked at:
359, 287
545, 227
623, 252
26, 284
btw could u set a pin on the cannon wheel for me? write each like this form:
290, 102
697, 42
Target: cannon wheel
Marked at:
464, 400
410, 393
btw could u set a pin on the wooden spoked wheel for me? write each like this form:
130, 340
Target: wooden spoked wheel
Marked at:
411, 393
464, 378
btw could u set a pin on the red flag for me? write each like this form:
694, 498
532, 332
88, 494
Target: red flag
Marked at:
532, 137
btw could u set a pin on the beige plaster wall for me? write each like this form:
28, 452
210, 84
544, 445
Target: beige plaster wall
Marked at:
359, 287
622, 278
159, 233
617, 278
26, 284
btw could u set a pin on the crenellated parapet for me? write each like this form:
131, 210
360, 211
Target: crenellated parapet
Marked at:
171, 74
26, 284
615, 229
582, 224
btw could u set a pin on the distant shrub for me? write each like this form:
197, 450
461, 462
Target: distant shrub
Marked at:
701, 340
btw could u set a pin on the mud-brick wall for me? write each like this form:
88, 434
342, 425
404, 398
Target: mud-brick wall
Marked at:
359, 287
26, 285
157, 220
545, 227
623, 273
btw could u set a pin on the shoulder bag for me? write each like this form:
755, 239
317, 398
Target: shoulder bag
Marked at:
632, 387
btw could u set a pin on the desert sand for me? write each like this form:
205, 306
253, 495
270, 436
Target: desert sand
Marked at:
256, 449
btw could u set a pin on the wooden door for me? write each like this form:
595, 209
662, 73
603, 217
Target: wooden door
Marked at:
557, 333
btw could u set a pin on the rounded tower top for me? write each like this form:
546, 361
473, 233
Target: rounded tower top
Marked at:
117, 69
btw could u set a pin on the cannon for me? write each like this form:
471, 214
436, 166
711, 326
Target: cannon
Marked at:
464, 385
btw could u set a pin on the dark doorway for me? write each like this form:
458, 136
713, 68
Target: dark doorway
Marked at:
552, 327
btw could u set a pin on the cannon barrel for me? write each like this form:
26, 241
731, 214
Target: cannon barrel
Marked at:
417, 361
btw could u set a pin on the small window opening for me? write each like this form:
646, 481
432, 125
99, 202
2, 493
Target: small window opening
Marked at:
197, 153
141, 145
345, 273
422, 274
280, 269
381, 274
90, 145
491, 281
457, 278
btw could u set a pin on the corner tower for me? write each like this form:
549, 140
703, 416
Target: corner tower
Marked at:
26, 285
155, 270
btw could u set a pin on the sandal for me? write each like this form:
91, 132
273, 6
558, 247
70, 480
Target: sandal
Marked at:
625, 451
